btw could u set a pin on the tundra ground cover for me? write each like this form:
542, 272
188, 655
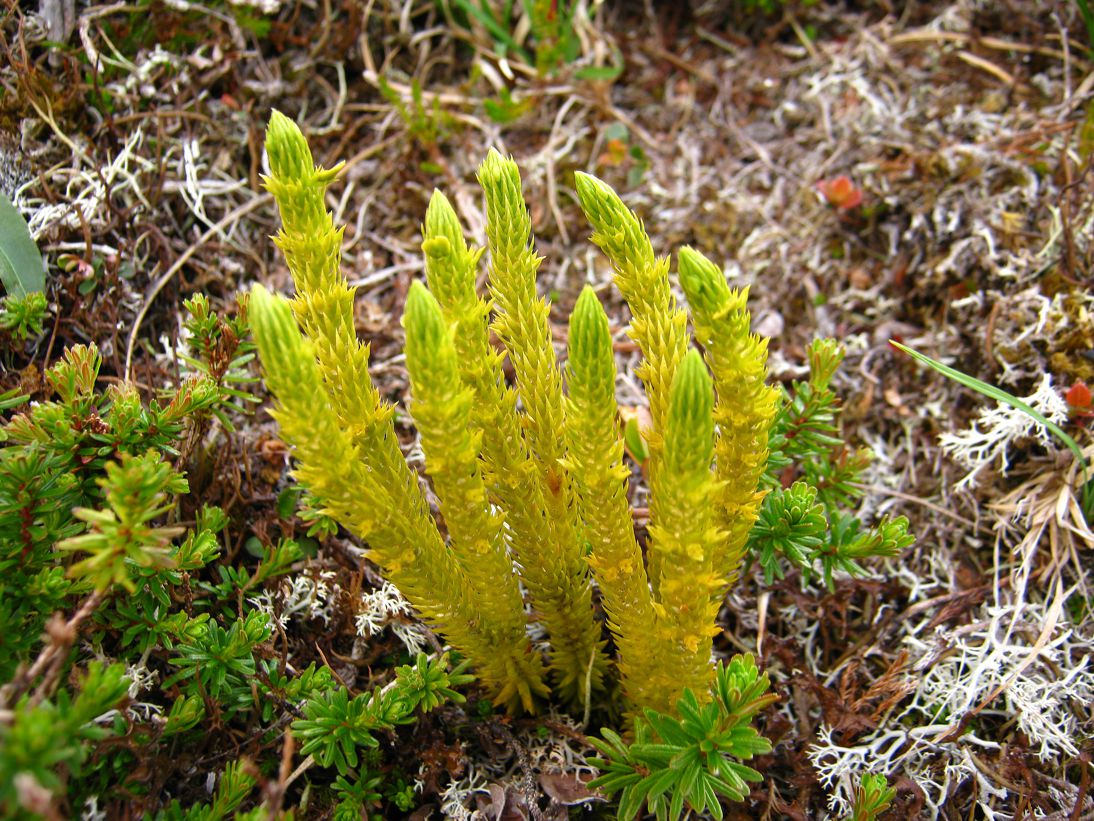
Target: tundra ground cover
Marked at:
872, 173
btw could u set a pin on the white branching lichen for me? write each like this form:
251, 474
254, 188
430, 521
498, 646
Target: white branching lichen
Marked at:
1003, 666
386, 607
458, 794
1039, 683
304, 597
86, 189
140, 678
911, 751
995, 430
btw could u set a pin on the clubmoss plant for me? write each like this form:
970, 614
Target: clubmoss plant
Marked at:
530, 479
658, 325
595, 460
520, 321
442, 408
745, 406
531, 482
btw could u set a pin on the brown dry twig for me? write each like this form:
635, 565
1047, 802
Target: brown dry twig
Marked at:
61, 635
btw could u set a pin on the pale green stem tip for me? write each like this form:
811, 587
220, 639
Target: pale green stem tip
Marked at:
690, 429
422, 320
703, 281
441, 221
589, 331
288, 151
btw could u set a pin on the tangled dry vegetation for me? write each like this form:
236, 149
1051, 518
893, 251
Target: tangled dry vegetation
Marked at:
961, 670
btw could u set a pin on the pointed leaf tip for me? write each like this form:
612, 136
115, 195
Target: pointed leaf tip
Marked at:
418, 299
280, 345
703, 282
259, 292
690, 429
497, 169
587, 302
441, 221
262, 307
287, 149
422, 320
592, 190
589, 331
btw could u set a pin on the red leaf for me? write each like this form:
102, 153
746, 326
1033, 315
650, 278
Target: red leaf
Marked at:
1078, 396
840, 193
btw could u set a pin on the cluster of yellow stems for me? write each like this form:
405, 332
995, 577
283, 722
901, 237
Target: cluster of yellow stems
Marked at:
530, 479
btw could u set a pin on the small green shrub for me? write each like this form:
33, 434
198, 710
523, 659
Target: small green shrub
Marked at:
88, 484
688, 758
23, 316
334, 725
872, 798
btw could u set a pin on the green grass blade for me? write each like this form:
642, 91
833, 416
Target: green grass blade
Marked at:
998, 394
21, 268
494, 27
1088, 20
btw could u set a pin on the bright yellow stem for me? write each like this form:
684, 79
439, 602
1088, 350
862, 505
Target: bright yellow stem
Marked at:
331, 465
657, 324
324, 307
442, 412
557, 580
595, 460
687, 540
745, 405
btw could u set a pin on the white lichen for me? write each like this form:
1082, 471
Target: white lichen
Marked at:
1038, 683
912, 752
989, 438
386, 607
302, 596
86, 188
140, 678
457, 795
